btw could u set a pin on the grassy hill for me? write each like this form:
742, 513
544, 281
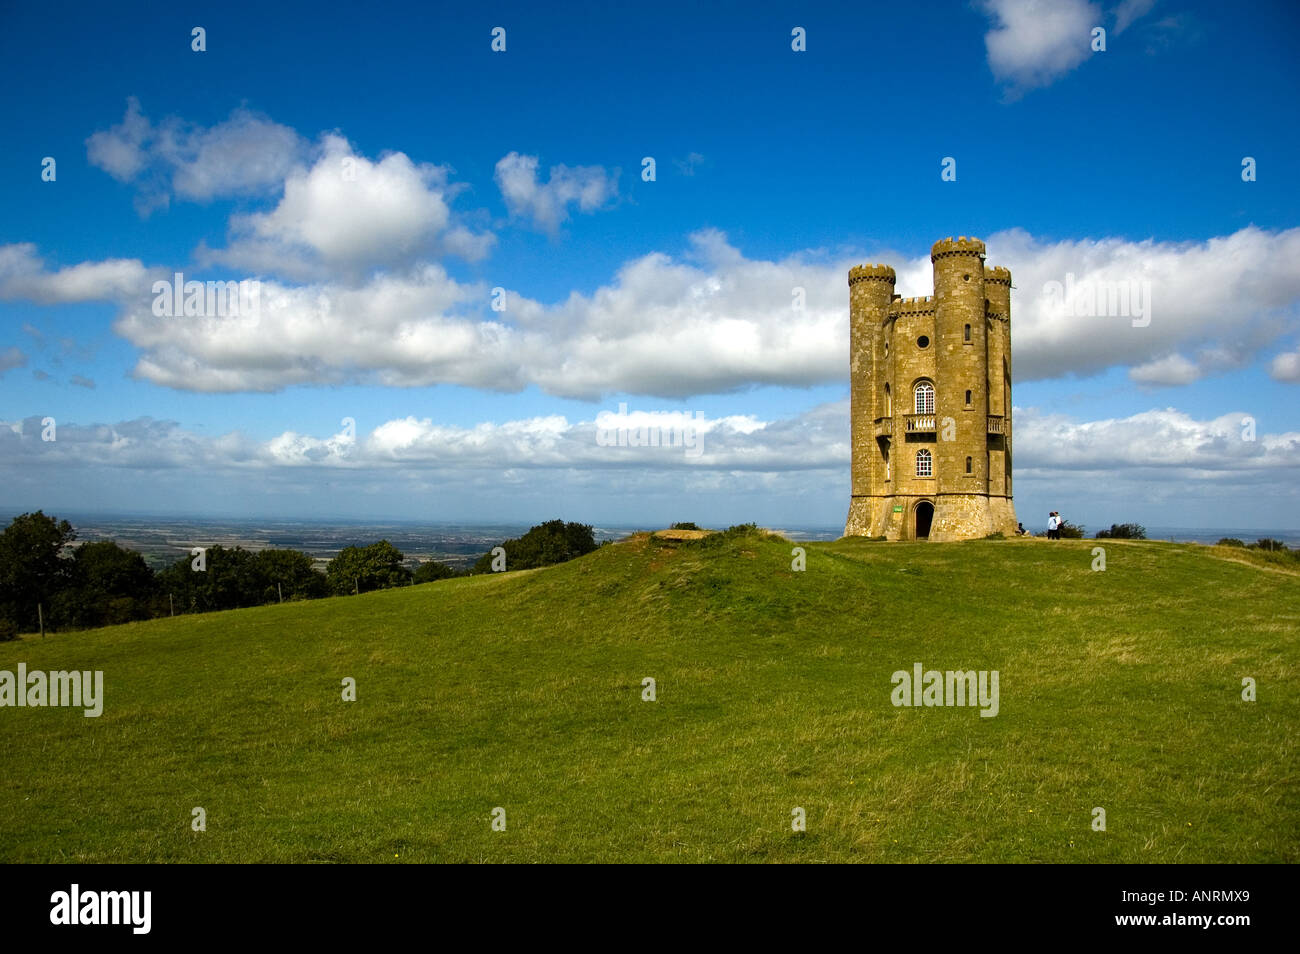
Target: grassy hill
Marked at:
1118, 689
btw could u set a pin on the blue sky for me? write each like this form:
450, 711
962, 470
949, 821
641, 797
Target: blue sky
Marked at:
472, 170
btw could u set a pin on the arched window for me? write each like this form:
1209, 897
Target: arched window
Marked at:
968, 465
924, 464
889, 407
967, 338
968, 397
924, 394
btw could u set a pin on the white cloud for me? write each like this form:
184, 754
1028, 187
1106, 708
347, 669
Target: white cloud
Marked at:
1034, 42
710, 321
1160, 466
1168, 442
547, 204
1286, 367
673, 329
1172, 369
119, 150
245, 154
1227, 299
337, 210
388, 206
395, 331
662, 327
467, 244
346, 214
816, 439
1160, 444
23, 275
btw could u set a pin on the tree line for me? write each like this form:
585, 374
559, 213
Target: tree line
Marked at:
47, 581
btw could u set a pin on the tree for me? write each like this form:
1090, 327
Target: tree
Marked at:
1123, 531
32, 566
295, 573
432, 570
237, 578
1267, 543
108, 585
230, 580
1070, 531
361, 569
543, 545
1230, 542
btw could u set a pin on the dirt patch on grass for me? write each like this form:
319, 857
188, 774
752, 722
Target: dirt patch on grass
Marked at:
682, 534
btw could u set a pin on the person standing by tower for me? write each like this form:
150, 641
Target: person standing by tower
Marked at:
1053, 526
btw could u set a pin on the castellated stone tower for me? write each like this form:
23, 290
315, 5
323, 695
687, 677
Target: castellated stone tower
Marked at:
931, 401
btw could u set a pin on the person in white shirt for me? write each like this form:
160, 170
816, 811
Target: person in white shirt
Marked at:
1053, 526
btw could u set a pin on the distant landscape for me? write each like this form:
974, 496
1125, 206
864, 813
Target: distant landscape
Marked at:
162, 540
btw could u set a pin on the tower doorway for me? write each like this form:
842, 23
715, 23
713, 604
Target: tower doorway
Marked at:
924, 517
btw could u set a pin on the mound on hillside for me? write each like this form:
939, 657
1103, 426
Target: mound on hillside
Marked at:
692, 700
681, 534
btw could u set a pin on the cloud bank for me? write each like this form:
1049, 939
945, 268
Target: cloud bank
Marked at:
708, 321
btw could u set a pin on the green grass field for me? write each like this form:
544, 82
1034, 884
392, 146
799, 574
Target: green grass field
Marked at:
1120, 689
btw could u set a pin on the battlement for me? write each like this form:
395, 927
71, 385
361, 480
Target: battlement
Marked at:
959, 246
997, 275
871, 273
912, 306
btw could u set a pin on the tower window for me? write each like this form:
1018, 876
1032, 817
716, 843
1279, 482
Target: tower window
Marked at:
968, 397
924, 398
889, 406
967, 335
923, 342
924, 464
968, 465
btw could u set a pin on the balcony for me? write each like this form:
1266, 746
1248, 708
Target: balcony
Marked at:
920, 423
996, 424
884, 426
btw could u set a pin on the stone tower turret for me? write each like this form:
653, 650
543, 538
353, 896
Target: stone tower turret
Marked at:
997, 288
931, 399
871, 289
